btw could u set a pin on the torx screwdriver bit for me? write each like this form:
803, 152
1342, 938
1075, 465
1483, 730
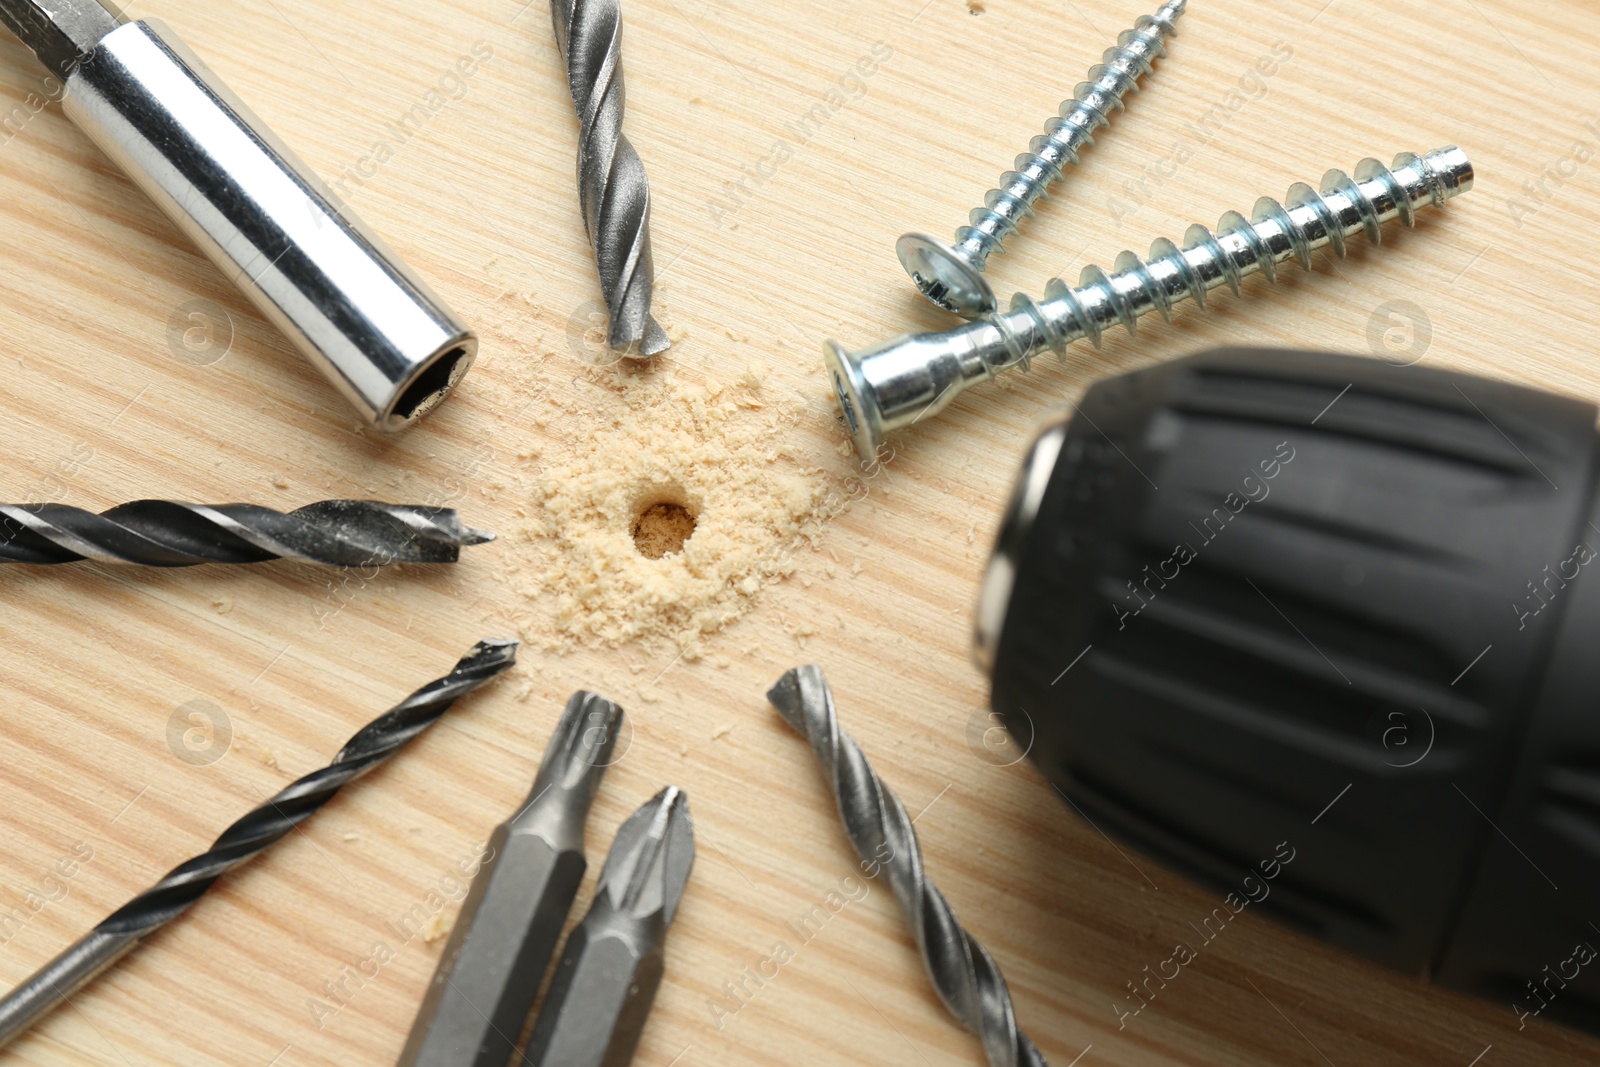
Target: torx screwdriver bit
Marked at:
290, 244
613, 962
164, 533
495, 960
120, 932
966, 977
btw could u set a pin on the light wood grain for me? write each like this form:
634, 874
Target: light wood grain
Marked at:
95, 661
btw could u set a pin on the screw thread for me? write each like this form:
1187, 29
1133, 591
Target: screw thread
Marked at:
1093, 101
1274, 233
900, 381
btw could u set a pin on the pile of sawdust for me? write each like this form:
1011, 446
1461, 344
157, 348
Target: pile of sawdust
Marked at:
717, 453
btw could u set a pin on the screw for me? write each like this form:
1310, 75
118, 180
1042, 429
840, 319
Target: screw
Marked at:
897, 382
952, 275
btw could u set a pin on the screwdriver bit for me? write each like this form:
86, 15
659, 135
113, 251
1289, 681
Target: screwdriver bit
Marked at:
495, 960
612, 965
60, 33
966, 977
123, 930
164, 533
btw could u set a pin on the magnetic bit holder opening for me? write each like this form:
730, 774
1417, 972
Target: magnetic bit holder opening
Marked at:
313, 269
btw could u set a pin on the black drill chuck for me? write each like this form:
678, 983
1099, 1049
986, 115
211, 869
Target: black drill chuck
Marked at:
1255, 597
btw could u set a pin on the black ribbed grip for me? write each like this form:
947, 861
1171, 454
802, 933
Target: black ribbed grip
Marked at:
1331, 602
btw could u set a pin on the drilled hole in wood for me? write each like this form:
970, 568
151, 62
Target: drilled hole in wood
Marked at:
662, 528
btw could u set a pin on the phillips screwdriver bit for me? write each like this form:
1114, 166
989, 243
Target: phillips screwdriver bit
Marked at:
163, 533
123, 930
495, 960
614, 959
289, 243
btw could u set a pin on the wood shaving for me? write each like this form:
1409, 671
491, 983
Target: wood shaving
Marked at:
649, 438
437, 926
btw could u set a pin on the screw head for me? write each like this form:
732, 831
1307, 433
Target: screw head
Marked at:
856, 399
944, 277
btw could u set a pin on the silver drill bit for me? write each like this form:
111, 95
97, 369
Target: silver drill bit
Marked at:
612, 186
494, 962
966, 977
951, 276
123, 930
312, 269
164, 533
614, 960
904, 379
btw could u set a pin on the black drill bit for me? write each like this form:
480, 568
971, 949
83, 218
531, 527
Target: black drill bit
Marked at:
121, 931
965, 976
614, 959
494, 963
164, 533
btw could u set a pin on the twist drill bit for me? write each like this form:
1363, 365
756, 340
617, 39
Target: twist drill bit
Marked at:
951, 276
612, 186
614, 959
897, 382
119, 933
163, 533
967, 978
494, 962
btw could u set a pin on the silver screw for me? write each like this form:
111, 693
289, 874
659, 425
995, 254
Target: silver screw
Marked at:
899, 381
952, 275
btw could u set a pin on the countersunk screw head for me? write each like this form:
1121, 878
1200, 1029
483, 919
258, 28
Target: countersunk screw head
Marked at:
944, 276
857, 400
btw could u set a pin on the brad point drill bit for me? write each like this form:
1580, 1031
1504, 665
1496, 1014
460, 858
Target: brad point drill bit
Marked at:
163, 533
967, 978
120, 932
494, 962
612, 186
614, 959
951, 276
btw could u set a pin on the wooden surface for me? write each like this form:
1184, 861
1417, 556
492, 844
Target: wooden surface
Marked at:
100, 668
